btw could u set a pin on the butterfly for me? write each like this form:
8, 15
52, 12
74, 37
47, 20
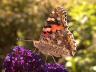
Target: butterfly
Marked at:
56, 39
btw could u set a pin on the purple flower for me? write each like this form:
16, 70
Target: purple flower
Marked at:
23, 60
55, 68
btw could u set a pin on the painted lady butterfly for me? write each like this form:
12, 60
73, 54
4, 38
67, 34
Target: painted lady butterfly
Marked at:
55, 39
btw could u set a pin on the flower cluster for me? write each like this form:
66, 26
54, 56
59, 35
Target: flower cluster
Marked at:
55, 68
24, 60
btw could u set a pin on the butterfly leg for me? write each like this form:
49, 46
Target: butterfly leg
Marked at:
46, 57
54, 59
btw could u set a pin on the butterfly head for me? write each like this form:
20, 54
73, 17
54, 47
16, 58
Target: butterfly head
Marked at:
36, 43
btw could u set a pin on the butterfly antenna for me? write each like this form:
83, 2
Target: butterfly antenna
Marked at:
19, 39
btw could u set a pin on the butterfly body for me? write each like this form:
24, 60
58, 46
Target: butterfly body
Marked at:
56, 40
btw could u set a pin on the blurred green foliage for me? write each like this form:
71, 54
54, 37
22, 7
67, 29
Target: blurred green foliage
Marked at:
25, 18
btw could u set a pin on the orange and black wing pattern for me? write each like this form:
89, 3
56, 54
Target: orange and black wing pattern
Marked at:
56, 39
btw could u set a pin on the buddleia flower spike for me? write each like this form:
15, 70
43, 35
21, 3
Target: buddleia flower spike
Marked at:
23, 60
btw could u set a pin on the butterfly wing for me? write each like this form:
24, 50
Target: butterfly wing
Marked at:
50, 49
56, 39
